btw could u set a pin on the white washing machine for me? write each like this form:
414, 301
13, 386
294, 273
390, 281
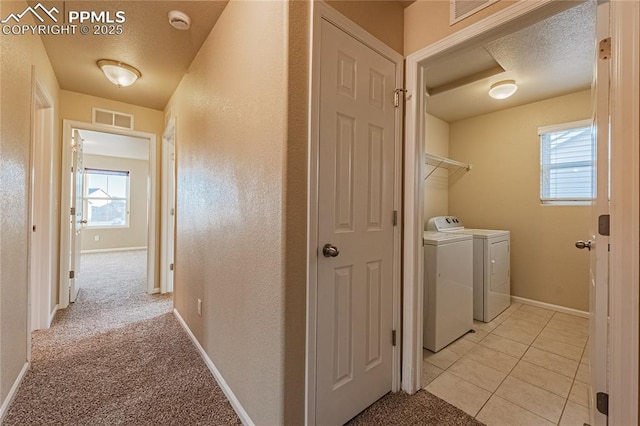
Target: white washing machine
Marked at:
491, 266
448, 288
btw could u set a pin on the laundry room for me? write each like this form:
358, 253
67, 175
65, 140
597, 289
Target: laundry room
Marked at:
513, 168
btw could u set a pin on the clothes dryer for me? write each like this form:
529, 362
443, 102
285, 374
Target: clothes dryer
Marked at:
491, 265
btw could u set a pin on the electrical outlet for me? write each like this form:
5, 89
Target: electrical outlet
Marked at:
200, 307
97, 238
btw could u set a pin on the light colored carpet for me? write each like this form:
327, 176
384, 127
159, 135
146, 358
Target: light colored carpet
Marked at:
117, 356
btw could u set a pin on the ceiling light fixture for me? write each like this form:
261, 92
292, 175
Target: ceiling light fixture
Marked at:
503, 89
119, 73
179, 20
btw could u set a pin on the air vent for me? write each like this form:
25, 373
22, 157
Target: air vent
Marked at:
112, 118
461, 9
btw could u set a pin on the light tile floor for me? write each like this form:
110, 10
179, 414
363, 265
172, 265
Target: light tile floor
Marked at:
529, 366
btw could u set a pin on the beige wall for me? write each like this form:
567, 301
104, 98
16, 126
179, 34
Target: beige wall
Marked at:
436, 187
502, 191
427, 21
231, 150
136, 234
383, 19
19, 54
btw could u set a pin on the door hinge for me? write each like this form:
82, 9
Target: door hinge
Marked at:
393, 337
72, 274
602, 402
395, 218
73, 211
396, 97
603, 224
604, 48
34, 228
172, 212
171, 267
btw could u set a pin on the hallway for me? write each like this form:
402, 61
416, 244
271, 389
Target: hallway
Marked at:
117, 356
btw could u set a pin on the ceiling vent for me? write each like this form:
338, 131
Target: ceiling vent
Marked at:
461, 9
112, 118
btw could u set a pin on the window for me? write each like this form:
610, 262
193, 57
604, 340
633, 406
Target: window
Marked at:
106, 198
566, 163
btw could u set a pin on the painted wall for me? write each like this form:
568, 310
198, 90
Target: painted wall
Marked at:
231, 151
502, 191
136, 234
19, 54
427, 21
436, 187
383, 19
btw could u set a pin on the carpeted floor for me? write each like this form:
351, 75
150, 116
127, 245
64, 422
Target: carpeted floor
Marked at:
117, 356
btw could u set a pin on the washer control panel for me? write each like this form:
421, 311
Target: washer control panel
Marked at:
444, 223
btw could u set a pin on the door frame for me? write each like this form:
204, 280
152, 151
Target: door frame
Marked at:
167, 226
41, 203
65, 200
320, 11
625, 232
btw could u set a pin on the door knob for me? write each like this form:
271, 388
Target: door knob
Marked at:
330, 250
84, 222
582, 245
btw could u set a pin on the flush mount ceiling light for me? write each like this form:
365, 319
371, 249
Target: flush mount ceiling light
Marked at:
119, 73
503, 89
179, 20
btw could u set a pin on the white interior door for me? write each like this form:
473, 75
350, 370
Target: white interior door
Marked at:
355, 227
76, 216
599, 294
168, 214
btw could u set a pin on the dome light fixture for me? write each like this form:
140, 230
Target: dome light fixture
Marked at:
119, 73
503, 89
179, 20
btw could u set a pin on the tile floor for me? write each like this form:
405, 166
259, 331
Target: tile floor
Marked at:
529, 366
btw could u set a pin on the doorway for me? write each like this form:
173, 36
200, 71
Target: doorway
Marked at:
518, 16
113, 207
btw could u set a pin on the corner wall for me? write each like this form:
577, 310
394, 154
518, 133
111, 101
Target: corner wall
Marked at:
19, 54
502, 191
231, 136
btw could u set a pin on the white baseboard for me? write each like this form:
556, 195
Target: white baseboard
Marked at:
550, 306
52, 315
235, 403
12, 392
112, 249
155, 290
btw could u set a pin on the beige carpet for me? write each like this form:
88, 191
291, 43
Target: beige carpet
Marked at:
117, 356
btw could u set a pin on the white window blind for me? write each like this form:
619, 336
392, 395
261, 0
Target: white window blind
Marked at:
566, 163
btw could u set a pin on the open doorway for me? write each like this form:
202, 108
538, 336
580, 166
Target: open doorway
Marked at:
111, 193
488, 167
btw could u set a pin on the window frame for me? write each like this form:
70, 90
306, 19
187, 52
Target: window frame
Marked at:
86, 198
568, 201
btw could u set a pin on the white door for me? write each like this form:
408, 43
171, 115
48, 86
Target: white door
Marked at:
355, 199
168, 215
599, 293
76, 216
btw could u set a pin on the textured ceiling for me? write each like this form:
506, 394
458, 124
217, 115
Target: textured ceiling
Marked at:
547, 59
149, 43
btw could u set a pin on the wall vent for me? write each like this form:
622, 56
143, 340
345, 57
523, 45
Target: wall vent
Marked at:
461, 9
112, 118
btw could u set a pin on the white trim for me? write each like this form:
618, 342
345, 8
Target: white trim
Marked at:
112, 250
155, 291
320, 11
12, 392
235, 403
625, 211
67, 129
550, 306
167, 221
52, 315
564, 126
504, 21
